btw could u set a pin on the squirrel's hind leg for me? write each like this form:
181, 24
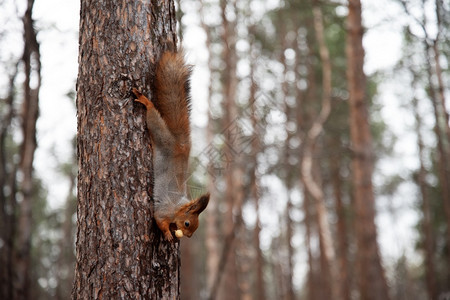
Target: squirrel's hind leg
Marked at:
142, 99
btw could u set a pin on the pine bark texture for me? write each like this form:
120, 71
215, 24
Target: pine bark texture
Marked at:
121, 253
371, 280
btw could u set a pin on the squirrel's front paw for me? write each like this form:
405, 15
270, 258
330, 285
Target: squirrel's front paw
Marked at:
168, 236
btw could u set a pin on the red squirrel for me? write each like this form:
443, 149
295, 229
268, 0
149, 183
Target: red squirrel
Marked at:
168, 124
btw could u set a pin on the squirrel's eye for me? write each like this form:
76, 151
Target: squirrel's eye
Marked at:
186, 223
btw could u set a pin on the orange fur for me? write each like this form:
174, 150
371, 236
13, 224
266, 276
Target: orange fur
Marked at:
168, 123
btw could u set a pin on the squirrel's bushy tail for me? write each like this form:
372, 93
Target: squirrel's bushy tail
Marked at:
173, 91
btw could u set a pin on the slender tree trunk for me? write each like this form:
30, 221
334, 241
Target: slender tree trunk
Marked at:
342, 262
66, 257
290, 249
244, 264
430, 270
211, 232
441, 89
259, 287
442, 127
121, 253
290, 293
443, 158
444, 144
311, 271
189, 283
8, 202
440, 12
276, 264
30, 109
311, 184
233, 175
439, 109
259, 290
371, 278
302, 60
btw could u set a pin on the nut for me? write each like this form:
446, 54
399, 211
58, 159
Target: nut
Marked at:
178, 233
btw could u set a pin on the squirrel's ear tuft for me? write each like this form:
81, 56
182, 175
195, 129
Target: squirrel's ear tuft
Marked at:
200, 204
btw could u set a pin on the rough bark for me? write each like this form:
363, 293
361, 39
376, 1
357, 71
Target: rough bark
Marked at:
371, 279
120, 252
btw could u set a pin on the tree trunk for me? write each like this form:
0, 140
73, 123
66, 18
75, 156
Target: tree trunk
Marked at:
211, 232
443, 158
441, 89
371, 278
313, 184
440, 13
311, 290
290, 293
66, 256
121, 253
30, 111
343, 279
8, 202
437, 97
233, 175
189, 284
259, 286
260, 290
439, 109
428, 242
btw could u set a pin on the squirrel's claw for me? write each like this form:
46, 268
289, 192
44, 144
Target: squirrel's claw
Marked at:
168, 236
142, 99
136, 92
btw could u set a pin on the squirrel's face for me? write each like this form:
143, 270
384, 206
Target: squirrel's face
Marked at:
187, 217
189, 225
